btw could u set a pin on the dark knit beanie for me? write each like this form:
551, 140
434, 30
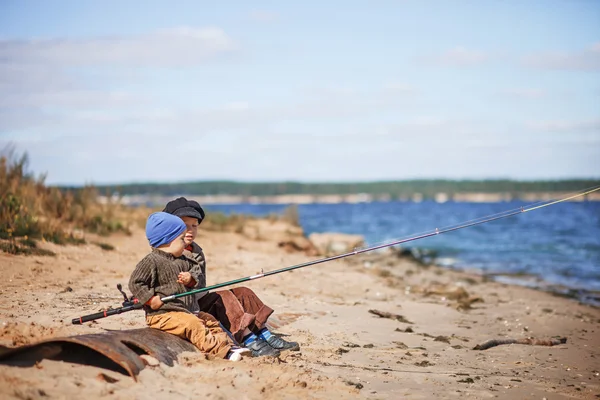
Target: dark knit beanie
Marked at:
163, 228
183, 207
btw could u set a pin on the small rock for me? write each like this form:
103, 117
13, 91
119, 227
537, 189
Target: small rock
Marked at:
149, 360
444, 339
106, 378
357, 385
424, 363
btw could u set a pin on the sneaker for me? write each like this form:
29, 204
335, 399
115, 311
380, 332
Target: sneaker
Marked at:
238, 353
278, 343
261, 348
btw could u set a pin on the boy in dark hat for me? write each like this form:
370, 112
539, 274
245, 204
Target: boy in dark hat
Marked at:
165, 272
239, 309
192, 214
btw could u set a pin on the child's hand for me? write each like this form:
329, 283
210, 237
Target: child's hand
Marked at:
155, 302
184, 278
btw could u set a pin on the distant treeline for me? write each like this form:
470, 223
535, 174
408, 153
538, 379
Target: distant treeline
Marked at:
395, 189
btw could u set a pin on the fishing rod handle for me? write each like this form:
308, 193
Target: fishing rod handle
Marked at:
90, 317
104, 314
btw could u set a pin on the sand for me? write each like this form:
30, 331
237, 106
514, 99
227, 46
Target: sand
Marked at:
333, 310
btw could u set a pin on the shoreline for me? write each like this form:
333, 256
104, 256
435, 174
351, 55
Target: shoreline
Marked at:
347, 351
581, 295
291, 199
531, 281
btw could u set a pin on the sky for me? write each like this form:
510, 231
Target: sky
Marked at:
148, 91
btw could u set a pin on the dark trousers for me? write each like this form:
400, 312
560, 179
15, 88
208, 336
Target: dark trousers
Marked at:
237, 309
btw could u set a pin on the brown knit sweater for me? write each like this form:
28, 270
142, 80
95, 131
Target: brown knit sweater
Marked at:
156, 274
197, 255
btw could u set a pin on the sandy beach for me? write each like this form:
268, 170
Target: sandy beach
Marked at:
335, 310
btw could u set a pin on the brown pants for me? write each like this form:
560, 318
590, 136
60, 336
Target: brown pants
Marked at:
237, 309
203, 330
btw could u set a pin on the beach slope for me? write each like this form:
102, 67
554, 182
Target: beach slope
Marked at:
374, 326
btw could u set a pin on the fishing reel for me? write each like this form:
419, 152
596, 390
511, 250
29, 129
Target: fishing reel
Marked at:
128, 301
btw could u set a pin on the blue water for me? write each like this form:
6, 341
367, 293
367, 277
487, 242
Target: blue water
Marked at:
559, 244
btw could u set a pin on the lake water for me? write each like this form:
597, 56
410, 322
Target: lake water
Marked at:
553, 248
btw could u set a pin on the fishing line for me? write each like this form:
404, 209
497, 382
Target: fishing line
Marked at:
133, 304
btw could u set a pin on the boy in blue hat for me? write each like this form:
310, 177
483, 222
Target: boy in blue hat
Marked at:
165, 272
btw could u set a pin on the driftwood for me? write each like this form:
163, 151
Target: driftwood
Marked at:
458, 294
531, 341
124, 351
385, 314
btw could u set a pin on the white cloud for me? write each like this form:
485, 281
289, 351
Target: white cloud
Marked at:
237, 105
47, 84
333, 91
459, 57
264, 16
36, 86
182, 46
524, 93
588, 125
248, 144
87, 112
18, 78
77, 98
399, 87
584, 60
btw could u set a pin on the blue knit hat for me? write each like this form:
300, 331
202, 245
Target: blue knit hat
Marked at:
163, 228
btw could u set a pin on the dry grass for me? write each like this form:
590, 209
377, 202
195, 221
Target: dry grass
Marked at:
30, 210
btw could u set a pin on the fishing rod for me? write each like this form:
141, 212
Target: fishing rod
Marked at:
133, 304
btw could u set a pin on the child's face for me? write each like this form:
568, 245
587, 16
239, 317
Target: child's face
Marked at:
192, 229
176, 247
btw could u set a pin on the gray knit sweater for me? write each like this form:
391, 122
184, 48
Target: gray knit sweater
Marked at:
156, 274
197, 255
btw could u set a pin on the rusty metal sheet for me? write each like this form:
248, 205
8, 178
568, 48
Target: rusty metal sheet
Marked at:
115, 350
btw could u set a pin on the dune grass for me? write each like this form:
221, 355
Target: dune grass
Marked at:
32, 211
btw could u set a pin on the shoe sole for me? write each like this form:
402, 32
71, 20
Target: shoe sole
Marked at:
267, 355
296, 348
